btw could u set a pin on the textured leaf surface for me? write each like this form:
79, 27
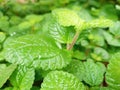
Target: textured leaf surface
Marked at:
93, 73
23, 78
113, 72
100, 23
58, 32
66, 17
76, 68
36, 50
59, 80
5, 72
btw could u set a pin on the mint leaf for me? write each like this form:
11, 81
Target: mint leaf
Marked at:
100, 52
93, 73
113, 72
115, 29
59, 80
76, 68
5, 72
39, 51
32, 18
60, 33
55, 30
23, 78
79, 55
66, 17
101, 22
100, 88
111, 40
2, 37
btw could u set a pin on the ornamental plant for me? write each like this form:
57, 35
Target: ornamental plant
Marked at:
72, 45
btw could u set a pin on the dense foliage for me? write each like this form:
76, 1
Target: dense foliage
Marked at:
59, 44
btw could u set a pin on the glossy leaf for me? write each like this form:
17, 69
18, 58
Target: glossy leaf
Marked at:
39, 51
23, 78
59, 80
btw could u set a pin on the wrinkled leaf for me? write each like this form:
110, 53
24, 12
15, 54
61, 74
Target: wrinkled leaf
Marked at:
39, 51
101, 22
23, 78
66, 17
93, 73
59, 80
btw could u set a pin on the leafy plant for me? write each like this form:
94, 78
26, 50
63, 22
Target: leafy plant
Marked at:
59, 45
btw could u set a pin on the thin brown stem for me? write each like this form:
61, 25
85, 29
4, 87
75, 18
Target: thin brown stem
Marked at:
70, 46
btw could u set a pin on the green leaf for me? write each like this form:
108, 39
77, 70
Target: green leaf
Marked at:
108, 11
100, 88
23, 78
111, 40
76, 68
96, 37
55, 30
60, 33
1, 56
2, 37
32, 18
79, 55
115, 29
113, 72
100, 52
39, 51
4, 24
66, 17
59, 80
101, 23
5, 72
15, 20
94, 73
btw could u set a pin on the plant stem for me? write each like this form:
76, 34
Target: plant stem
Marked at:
70, 46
